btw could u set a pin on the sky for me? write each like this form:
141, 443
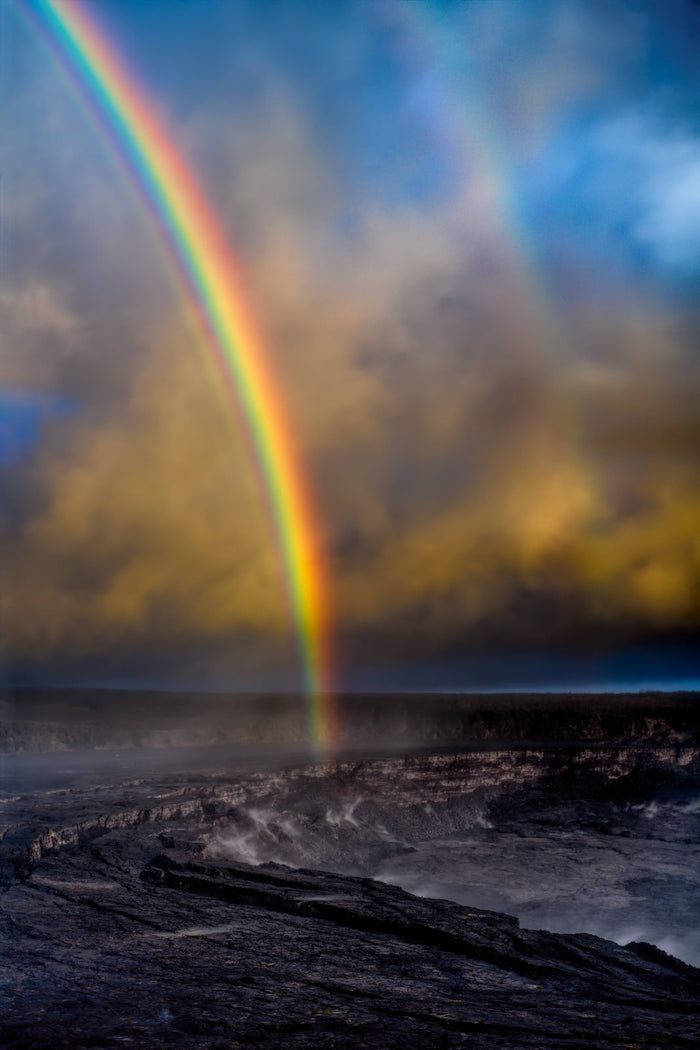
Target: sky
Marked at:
471, 235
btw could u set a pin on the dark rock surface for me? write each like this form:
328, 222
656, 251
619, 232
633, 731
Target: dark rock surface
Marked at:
125, 923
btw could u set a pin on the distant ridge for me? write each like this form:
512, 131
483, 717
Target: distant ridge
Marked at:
59, 719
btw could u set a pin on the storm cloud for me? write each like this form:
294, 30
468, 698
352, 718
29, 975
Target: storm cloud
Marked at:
470, 234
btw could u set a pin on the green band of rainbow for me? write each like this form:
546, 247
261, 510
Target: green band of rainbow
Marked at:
212, 279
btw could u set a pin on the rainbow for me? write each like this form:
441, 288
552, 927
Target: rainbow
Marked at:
467, 122
545, 338
213, 284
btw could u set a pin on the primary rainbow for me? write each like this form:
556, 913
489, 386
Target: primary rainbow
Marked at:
212, 279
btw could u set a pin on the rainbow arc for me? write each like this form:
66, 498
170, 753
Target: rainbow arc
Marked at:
212, 281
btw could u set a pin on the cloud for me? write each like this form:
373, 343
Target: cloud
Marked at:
669, 197
491, 463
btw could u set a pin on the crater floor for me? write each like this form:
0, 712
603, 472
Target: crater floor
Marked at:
129, 916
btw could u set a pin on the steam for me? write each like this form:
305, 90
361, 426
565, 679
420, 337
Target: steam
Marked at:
560, 876
258, 837
352, 834
686, 948
346, 815
651, 810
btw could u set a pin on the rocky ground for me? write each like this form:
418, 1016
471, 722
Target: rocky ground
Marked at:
129, 917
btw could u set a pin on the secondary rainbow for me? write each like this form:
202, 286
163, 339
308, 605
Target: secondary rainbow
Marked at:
213, 283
